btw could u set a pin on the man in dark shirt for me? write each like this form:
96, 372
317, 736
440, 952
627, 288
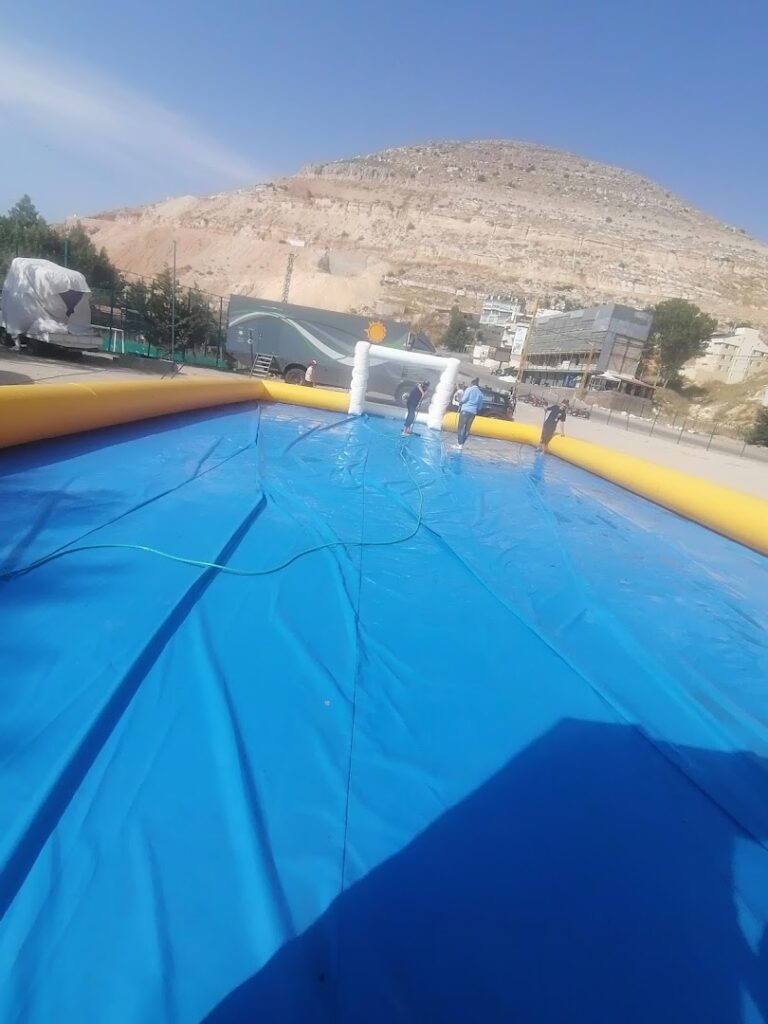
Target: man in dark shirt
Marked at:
413, 402
555, 414
512, 403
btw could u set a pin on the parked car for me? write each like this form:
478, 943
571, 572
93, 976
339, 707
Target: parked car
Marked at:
495, 403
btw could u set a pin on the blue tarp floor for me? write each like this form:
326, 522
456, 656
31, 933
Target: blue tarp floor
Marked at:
512, 768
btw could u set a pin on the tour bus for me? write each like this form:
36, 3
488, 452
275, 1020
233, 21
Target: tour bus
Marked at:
280, 338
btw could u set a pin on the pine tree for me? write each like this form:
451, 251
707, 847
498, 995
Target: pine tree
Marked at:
456, 337
759, 432
680, 332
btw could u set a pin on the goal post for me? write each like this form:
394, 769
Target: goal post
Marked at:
441, 397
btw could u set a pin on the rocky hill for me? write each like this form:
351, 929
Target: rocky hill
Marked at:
407, 230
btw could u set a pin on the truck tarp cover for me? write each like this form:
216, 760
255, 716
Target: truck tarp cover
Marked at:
40, 297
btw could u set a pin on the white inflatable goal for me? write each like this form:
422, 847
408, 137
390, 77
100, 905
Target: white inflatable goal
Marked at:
440, 399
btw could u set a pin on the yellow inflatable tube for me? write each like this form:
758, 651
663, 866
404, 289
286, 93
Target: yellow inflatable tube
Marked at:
46, 411
314, 398
738, 516
32, 413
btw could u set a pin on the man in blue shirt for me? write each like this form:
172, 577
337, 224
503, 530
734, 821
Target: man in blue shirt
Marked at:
471, 404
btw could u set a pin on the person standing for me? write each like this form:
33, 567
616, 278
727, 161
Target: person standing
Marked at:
457, 397
412, 404
555, 414
512, 403
471, 404
309, 376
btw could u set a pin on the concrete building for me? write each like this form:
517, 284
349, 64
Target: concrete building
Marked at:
515, 335
492, 357
605, 341
730, 358
490, 334
500, 310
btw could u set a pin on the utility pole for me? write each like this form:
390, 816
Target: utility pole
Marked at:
173, 307
288, 275
585, 374
527, 342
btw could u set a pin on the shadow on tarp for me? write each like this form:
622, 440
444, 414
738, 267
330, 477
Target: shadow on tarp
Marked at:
588, 881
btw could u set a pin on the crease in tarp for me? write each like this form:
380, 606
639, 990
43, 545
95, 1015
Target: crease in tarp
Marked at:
51, 805
15, 558
233, 759
598, 614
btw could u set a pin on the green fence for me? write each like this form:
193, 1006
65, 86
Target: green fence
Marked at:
144, 317
149, 316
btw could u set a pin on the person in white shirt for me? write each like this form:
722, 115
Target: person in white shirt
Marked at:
309, 376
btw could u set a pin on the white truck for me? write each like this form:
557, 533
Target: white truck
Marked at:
48, 306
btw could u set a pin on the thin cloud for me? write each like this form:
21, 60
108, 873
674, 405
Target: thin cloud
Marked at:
96, 115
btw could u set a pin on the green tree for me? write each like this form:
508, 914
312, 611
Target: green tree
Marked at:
135, 300
24, 213
680, 332
759, 432
195, 323
23, 232
95, 264
456, 337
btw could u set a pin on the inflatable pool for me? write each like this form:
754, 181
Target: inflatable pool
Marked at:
451, 737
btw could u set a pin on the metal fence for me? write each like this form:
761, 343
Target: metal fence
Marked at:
729, 438
604, 399
129, 331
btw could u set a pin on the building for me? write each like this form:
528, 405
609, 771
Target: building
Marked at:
604, 341
500, 310
490, 334
492, 357
515, 335
730, 357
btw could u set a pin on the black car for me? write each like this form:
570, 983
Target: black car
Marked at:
495, 403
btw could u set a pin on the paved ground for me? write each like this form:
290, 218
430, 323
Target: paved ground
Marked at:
743, 474
749, 475
21, 368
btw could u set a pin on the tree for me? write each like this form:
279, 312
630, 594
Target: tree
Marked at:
759, 432
197, 323
680, 332
193, 316
456, 337
23, 232
136, 298
94, 263
24, 213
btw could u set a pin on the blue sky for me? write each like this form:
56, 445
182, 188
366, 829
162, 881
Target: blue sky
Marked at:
131, 103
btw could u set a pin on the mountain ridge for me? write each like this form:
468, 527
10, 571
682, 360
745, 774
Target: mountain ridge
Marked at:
402, 230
